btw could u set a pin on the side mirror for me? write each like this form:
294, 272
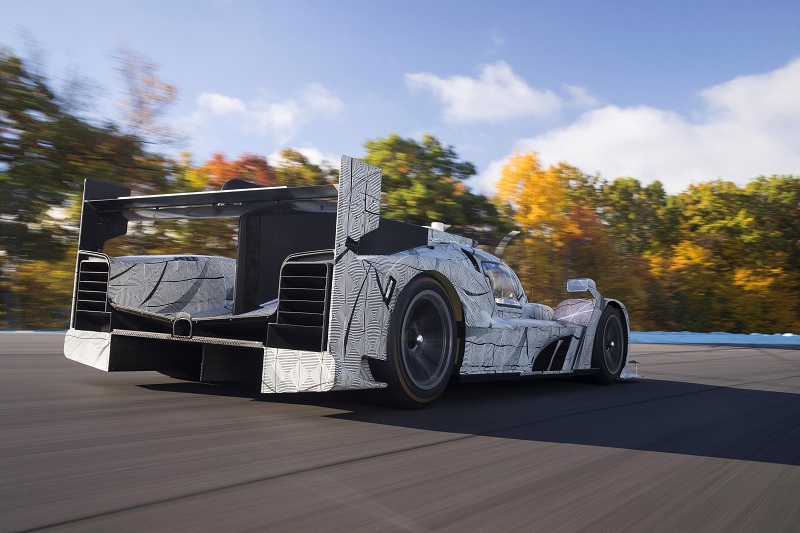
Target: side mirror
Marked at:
580, 285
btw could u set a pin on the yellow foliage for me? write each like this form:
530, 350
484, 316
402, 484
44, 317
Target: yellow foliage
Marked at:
45, 292
762, 300
688, 254
539, 197
751, 280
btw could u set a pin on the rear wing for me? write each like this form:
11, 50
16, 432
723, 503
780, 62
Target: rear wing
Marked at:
107, 208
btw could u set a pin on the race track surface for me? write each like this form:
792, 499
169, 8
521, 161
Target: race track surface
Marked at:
709, 440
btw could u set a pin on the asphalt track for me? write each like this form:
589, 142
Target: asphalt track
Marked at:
709, 440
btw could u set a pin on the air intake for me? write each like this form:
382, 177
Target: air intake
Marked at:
303, 303
91, 294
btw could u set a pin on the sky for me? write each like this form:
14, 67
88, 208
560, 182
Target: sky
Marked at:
682, 91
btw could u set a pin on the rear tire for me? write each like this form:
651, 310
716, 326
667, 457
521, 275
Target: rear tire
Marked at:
421, 345
610, 347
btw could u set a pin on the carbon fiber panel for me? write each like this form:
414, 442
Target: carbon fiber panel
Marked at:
231, 363
199, 340
140, 354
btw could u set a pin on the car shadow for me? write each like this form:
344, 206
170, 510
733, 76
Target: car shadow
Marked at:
646, 415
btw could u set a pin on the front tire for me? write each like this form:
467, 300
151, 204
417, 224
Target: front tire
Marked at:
421, 345
610, 347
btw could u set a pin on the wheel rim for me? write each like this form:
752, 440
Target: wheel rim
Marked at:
426, 340
613, 344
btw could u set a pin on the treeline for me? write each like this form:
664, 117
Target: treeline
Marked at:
716, 257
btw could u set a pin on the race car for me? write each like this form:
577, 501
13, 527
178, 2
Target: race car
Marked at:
323, 295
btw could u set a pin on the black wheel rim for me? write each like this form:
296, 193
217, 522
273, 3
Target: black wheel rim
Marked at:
613, 344
426, 340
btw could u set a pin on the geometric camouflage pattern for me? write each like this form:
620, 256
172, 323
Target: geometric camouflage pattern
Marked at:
355, 322
167, 284
575, 311
498, 339
287, 370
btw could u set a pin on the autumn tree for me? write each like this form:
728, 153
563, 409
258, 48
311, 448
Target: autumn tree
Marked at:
195, 236
148, 97
248, 167
733, 267
553, 207
214, 236
539, 197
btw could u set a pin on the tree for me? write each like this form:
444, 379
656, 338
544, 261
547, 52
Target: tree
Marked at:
28, 113
148, 98
636, 215
731, 269
45, 155
539, 197
293, 169
542, 202
249, 167
424, 183
775, 204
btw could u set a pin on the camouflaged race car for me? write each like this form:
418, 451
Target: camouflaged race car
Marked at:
323, 295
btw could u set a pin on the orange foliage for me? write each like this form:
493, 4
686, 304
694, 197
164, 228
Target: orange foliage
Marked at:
539, 197
249, 167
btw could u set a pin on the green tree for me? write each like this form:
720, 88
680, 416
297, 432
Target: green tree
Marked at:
424, 183
732, 269
45, 155
775, 203
28, 116
637, 216
293, 169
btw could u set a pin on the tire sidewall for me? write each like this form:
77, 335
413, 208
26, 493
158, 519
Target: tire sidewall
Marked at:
604, 375
397, 376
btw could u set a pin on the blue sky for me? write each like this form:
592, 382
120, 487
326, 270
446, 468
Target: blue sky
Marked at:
682, 91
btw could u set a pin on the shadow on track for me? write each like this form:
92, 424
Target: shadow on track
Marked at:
648, 415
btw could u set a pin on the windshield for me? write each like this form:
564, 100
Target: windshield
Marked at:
505, 285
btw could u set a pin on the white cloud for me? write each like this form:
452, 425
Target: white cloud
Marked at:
486, 180
498, 94
220, 104
318, 99
279, 119
746, 127
580, 96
